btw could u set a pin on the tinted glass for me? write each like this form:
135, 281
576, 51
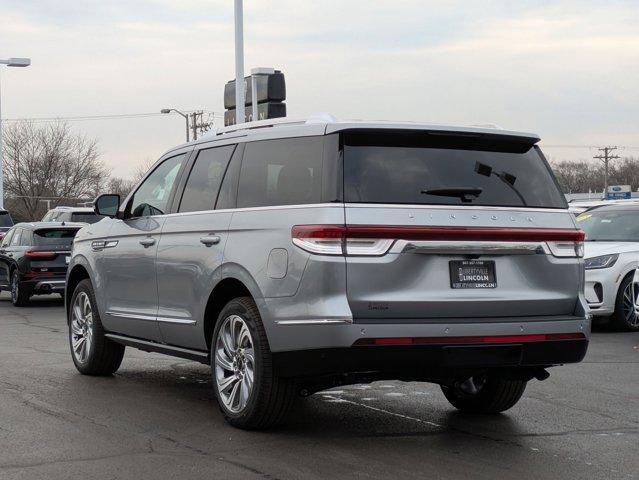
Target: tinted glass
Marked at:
152, 197
6, 241
49, 216
408, 169
15, 240
52, 236
281, 172
204, 181
86, 217
5, 219
227, 198
610, 225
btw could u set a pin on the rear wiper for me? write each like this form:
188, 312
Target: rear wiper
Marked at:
465, 194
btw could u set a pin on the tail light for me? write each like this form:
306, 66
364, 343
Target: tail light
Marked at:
371, 240
41, 255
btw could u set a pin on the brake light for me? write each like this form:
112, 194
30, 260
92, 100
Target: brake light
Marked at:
377, 240
42, 255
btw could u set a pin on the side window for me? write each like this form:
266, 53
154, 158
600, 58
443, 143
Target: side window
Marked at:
25, 238
152, 196
228, 191
16, 237
281, 172
204, 180
6, 241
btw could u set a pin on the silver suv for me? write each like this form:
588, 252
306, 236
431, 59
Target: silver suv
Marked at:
297, 256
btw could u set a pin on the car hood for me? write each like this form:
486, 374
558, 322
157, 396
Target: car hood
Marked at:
595, 249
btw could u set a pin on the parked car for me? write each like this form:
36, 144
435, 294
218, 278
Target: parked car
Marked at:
34, 259
6, 222
611, 257
304, 255
72, 214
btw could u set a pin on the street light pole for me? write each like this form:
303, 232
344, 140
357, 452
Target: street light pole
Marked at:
186, 117
239, 63
10, 62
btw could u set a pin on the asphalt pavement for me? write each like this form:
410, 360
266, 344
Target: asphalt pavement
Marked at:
157, 418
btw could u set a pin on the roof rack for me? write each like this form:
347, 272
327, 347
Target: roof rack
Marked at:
320, 118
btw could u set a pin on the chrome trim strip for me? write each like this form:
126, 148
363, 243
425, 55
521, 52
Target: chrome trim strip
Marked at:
52, 283
455, 207
181, 321
316, 321
258, 209
465, 248
133, 316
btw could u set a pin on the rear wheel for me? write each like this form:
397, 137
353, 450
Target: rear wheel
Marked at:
19, 296
624, 317
91, 351
490, 395
250, 393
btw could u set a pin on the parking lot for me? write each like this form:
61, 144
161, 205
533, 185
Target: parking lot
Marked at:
157, 418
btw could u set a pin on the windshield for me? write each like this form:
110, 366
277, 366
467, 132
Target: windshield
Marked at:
5, 219
610, 225
86, 217
446, 170
54, 236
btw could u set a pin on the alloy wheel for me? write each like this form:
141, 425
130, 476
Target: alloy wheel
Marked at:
628, 307
81, 327
234, 363
15, 288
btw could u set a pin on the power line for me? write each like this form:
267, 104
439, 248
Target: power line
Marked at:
80, 118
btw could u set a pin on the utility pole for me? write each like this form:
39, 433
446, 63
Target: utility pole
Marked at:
605, 157
197, 123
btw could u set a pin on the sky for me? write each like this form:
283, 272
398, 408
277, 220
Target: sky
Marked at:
566, 70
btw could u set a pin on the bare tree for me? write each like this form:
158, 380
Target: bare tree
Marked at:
49, 161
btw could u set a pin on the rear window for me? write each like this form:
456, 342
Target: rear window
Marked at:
86, 217
5, 219
603, 225
434, 169
54, 236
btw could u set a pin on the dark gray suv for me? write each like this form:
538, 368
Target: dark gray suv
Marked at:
294, 256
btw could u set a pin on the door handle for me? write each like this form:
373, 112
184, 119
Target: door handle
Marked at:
210, 240
147, 242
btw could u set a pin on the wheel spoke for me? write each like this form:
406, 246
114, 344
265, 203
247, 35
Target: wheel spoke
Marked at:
222, 360
226, 383
234, 396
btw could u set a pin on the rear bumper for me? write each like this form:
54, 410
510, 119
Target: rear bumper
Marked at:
312, 336
428, 362
44, 286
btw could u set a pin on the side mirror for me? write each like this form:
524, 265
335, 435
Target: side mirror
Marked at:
107, 204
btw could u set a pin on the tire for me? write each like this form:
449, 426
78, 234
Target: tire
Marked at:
96, 354
264, 403
495, 396
624, 317
19, 296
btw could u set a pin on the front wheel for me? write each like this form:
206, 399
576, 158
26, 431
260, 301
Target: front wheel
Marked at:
249, 392
91, 351
491, 395
19, 295
624, 318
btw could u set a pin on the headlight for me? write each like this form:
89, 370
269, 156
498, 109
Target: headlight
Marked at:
603, 261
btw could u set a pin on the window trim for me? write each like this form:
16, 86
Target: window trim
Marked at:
170, 204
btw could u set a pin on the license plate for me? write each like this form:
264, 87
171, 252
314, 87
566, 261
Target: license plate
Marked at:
472, 274
67, 259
